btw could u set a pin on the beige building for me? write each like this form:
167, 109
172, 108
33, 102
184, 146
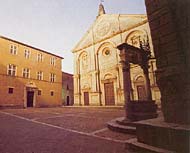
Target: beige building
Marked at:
98, 78
29, 77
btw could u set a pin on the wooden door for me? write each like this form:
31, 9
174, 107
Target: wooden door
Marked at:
30, 98
109, 94
86, 98
141, 92
67, 100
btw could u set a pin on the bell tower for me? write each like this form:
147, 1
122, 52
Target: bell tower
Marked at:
101, 9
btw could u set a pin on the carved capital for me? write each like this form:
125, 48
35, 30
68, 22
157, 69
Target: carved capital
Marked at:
123, 56
125, 66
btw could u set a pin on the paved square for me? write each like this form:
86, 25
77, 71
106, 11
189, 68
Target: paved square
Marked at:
60, 130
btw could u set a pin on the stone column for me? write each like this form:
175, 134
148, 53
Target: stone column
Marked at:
147, 82
98, 80
79, 86
77, 92
126, 76
75, 77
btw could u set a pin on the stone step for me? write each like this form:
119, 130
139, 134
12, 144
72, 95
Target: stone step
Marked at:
134, 146
170, 136
123, 121
114, 126
142, 116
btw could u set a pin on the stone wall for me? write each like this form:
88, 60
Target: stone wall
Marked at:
170, 30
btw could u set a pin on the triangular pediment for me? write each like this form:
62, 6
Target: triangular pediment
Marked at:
108, 25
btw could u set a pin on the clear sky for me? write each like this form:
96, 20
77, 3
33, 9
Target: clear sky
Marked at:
57, 25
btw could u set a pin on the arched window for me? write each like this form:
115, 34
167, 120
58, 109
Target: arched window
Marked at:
83, 59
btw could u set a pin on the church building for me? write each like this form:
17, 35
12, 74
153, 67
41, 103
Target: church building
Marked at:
98, 79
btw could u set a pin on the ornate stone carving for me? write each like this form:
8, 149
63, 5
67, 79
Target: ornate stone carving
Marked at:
102, 28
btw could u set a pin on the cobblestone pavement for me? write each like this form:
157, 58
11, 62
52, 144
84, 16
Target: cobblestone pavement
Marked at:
60, 130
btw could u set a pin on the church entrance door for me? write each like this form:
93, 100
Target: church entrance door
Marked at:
86, 98
109, 94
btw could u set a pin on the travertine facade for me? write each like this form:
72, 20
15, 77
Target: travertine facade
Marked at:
29, 77
97, 71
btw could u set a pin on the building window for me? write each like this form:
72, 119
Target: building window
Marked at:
13, 49
39, 57
39, 92
106, 52
26, 73
11, 70
52, 77
40, 75
26, 53
51, 93
10, 90
52, 61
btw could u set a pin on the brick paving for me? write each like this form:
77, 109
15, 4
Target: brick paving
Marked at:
60, 130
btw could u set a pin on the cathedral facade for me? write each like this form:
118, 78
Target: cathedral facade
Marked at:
98, 78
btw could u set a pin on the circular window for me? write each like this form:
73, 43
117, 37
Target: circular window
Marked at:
106, 52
